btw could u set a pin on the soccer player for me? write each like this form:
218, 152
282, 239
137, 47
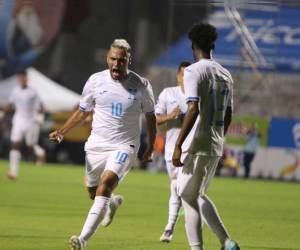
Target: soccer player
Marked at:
26, 104
208, 89
117, 97
170, 110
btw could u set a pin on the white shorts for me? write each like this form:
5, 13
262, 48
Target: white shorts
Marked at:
118, 161
173, 171
29, 131
196, 174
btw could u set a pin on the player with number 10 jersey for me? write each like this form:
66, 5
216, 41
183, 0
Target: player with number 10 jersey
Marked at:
117, 107
118, 97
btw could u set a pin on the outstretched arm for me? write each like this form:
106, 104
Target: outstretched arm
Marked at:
188, 123
75, 119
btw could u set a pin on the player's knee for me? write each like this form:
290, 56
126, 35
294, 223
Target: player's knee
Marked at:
189, 197
106, 188
108, 182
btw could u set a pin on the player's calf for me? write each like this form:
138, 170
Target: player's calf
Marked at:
115, 202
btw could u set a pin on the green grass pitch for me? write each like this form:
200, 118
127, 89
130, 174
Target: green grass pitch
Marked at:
48, 204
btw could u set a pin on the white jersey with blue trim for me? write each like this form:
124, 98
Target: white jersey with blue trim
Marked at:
26, 102
211, 84
168, 100
117, 106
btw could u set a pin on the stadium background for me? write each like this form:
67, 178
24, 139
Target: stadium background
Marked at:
258, 40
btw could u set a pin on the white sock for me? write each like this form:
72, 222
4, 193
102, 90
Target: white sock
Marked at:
196, 248
38, 150
95, 216
174, 205
212, 218
193, 224
14, 160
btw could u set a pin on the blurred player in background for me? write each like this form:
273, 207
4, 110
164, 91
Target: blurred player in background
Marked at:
251, 147
27, 106
208, 90
170, 110
117, 97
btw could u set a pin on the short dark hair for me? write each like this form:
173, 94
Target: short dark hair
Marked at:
183, 64
203, 36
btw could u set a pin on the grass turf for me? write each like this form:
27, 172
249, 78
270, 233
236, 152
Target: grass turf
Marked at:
48, 204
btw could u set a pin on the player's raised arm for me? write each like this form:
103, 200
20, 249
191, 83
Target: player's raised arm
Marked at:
75, 119
86, 105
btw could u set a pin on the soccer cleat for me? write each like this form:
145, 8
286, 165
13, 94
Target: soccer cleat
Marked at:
166, 236
115, 202
230, 245
76, 243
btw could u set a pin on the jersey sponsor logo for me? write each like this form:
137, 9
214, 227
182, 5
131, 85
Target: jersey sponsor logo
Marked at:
102, 92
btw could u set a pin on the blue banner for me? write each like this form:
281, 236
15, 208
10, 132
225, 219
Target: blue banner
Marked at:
284, 133
26, 28
276, 34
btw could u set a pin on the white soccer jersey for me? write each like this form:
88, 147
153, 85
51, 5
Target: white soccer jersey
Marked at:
117, 108
168, 100
25, 102
209, 83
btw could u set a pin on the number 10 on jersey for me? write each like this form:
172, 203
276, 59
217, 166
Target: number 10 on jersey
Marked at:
116, 109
